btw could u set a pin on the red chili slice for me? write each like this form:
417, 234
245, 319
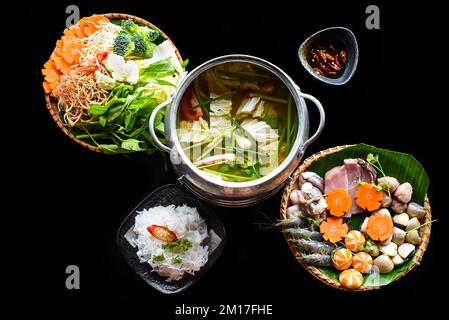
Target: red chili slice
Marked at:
102, 56
162, 233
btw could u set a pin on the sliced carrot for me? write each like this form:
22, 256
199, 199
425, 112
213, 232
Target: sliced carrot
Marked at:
70, 32
333, 229
50, 72
52, 78
379, 227
96, 19
339, 202
46, 86
89, 28
59, 52
53, 85
49, 65
68, 49
90, 25
368, 197
61, 64
79, 32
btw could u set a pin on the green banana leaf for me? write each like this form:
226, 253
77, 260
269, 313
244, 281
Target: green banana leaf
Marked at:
403, 167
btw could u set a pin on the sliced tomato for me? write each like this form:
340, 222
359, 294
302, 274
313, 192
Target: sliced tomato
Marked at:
188, 100
162, 233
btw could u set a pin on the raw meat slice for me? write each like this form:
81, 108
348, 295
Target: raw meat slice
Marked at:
354, 175
348, 176
335, 178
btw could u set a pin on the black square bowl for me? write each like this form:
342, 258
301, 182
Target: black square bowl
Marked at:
171, 194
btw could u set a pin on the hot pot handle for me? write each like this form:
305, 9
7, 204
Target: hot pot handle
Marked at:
322, 118
156, 140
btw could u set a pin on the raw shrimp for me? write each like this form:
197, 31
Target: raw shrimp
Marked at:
304, 233
313, 246
316, 259
291, 223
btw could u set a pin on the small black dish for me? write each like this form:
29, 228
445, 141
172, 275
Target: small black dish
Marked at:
171, 194
349, 41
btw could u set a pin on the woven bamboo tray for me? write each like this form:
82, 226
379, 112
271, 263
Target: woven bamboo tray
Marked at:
285, 203
52, 103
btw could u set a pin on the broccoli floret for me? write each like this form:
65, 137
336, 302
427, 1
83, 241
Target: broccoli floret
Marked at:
123, 46
135, 40
142, 47
147, 33
129, 26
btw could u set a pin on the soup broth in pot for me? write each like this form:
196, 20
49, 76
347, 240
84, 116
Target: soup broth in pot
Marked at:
237, 122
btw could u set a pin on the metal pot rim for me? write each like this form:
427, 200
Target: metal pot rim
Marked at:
302, 113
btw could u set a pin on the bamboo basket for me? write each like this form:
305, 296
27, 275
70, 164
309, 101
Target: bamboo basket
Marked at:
51, 102
314, 271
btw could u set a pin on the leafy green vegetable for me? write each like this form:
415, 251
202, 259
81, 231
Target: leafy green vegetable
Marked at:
185, 63
97, 109
132, 145
120, 123
178, 246
112, 149
123, 120
160, 69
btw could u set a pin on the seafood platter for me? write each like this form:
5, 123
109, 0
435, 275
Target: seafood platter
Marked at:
357, 217
236, 128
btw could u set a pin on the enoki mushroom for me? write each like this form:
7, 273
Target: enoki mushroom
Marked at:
76, 91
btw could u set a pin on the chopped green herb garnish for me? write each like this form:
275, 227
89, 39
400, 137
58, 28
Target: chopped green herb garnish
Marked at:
176, 260
158, 258
178, 246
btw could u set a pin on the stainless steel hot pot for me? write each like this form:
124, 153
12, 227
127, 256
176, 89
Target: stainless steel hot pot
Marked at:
235, 194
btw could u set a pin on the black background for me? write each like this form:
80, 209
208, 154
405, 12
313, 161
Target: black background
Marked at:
79, 198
